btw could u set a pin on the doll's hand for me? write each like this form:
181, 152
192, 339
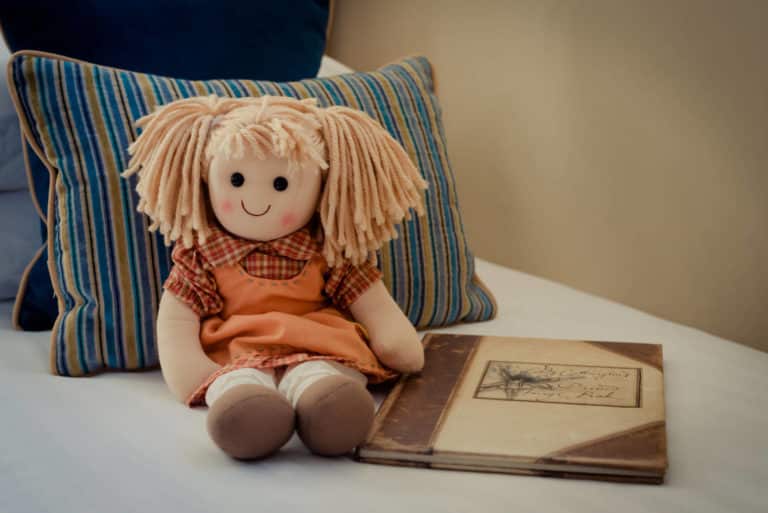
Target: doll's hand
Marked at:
392, 336
399, 349
184, 364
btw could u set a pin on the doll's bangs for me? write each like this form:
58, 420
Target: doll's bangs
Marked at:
271, 126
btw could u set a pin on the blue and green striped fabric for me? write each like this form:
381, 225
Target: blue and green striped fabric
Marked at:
106, 268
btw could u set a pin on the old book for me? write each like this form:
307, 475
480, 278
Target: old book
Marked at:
561, 408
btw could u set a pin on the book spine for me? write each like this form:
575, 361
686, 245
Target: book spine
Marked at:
411, 415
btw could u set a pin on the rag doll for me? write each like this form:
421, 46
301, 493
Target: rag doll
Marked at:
274, 314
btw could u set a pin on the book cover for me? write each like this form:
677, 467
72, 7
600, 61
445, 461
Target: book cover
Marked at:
566, 408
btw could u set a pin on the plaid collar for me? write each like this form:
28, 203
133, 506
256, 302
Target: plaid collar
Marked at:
223, 248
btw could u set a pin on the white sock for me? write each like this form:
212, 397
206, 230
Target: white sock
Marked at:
265, 377
299, 377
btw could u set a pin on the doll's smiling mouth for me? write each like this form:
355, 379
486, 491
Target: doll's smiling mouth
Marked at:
242, 204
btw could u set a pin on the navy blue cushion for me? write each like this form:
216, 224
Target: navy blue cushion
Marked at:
280, 40
193, 39
37, 309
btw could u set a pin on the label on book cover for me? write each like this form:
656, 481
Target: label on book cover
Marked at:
560, 383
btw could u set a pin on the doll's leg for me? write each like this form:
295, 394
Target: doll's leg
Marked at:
248, 418
334, 409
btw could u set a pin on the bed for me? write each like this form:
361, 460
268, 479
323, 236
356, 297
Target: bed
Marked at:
119, 442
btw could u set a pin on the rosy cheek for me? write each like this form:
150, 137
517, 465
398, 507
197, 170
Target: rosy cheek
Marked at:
288, 220
226, 207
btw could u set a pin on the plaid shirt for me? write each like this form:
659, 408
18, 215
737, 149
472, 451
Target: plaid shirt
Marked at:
192, 281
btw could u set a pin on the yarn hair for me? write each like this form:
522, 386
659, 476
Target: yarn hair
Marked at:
370, 182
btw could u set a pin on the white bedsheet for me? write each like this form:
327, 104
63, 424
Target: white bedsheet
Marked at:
119, 442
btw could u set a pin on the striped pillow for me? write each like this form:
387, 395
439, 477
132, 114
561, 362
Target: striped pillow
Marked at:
106, 268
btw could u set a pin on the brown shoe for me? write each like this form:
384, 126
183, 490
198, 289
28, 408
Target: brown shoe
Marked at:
334, 415
250, 422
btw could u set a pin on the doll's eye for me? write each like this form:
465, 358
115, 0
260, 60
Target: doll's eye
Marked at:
237, 179
280, 183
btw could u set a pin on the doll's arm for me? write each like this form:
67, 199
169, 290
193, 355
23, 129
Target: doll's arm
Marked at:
392, 336
182, 360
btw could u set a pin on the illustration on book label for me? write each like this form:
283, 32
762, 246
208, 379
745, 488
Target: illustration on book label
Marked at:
560, 383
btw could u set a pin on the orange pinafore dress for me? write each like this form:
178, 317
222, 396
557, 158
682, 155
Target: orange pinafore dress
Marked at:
273, 323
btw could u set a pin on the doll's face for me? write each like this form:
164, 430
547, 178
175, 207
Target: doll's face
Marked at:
259, 199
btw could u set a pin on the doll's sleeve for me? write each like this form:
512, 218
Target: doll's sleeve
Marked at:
192, 283
347, 283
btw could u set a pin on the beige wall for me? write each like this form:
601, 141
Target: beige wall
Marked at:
616, 146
